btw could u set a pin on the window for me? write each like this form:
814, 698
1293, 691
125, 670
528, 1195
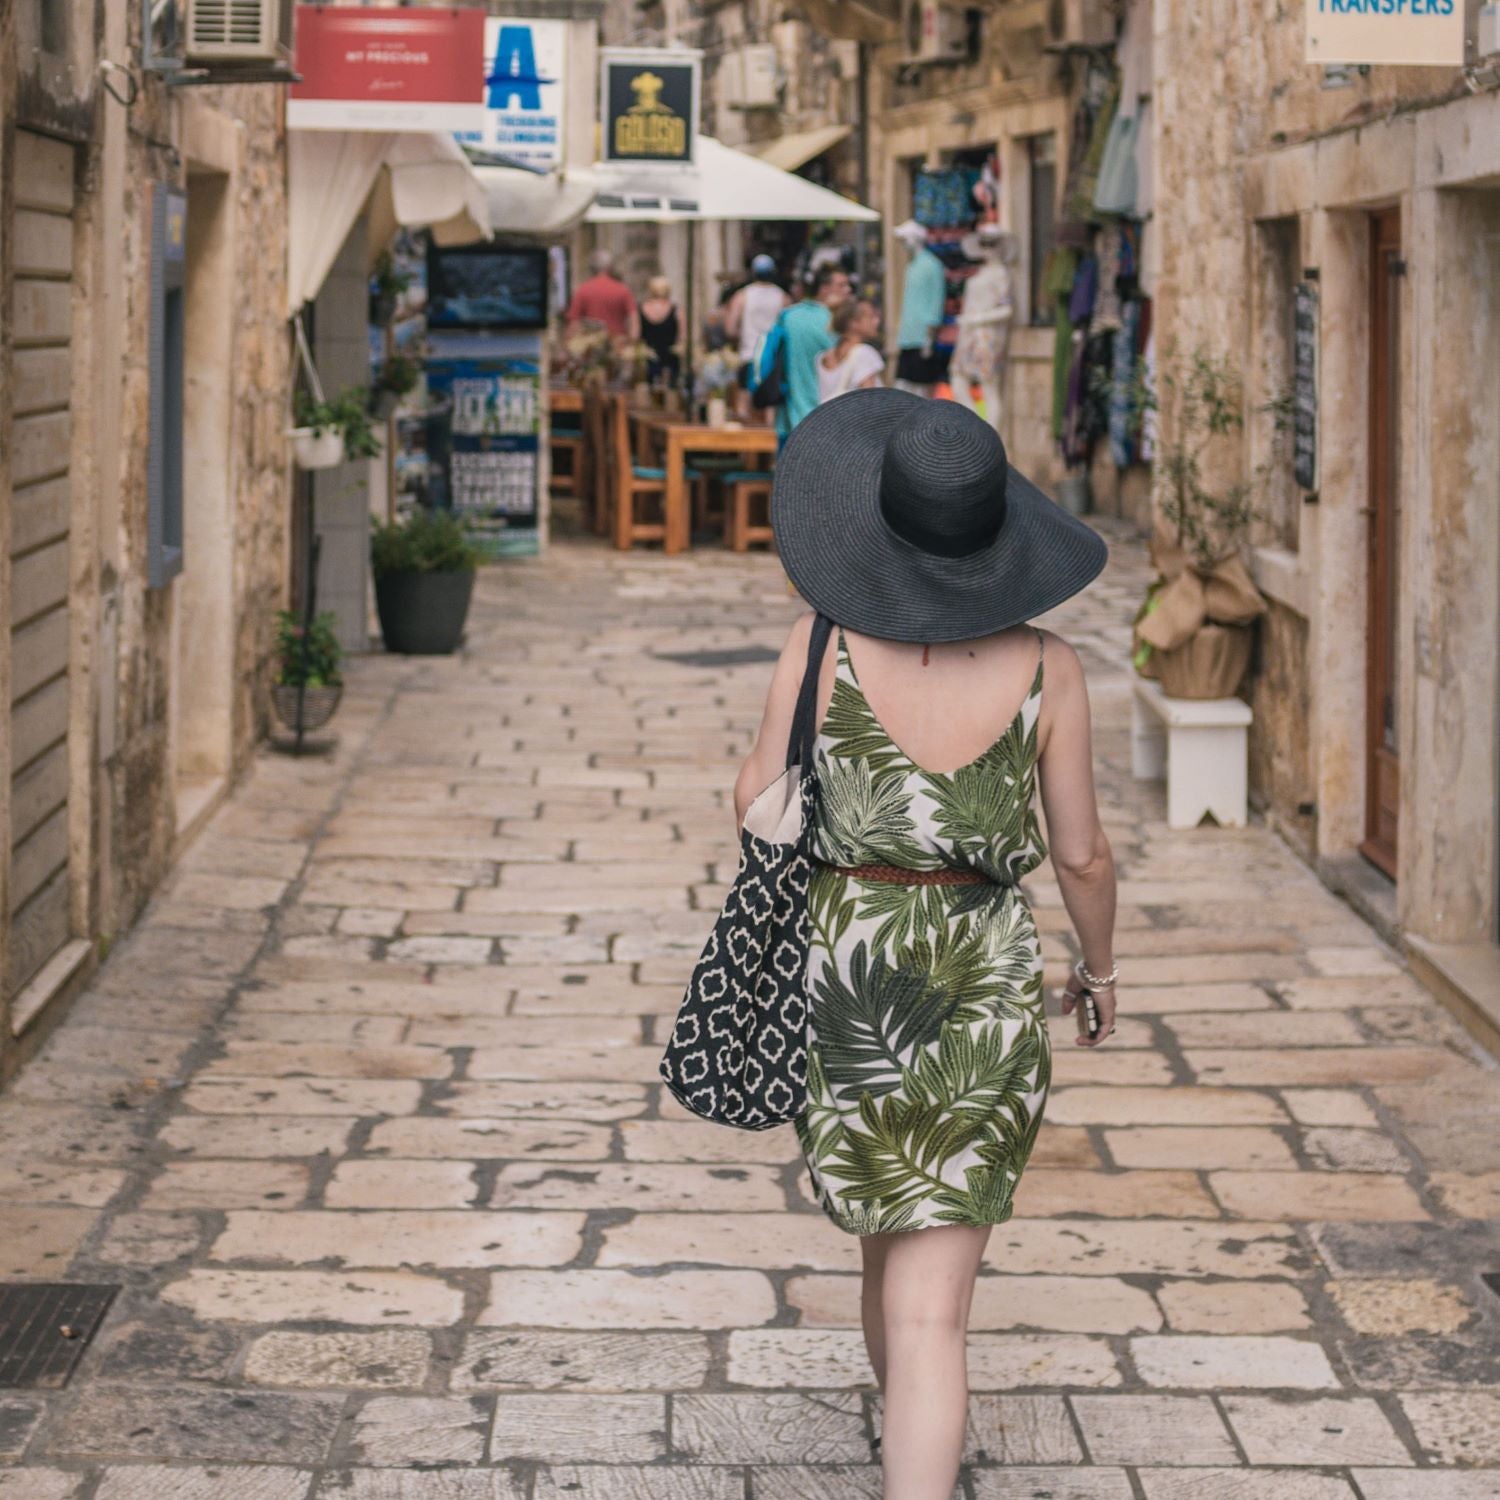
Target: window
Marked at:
164, 458
1041, 187
53, 27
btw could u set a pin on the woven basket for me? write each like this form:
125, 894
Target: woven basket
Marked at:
318, 704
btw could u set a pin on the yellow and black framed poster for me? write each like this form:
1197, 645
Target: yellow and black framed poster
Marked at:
648, 106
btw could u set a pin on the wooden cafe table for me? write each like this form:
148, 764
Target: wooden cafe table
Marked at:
678, 438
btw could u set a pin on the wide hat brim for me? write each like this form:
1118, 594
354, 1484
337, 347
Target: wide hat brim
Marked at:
847, 562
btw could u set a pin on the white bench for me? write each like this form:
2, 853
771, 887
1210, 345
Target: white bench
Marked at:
1199, 745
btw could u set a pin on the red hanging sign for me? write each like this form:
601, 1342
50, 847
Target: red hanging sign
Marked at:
387, 69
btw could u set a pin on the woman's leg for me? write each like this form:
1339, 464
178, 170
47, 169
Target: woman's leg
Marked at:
925, 1295
873, 1248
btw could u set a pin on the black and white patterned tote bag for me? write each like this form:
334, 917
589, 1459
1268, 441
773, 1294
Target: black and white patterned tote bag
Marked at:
738, 1053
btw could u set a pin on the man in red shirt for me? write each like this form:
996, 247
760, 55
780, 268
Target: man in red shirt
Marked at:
605, 299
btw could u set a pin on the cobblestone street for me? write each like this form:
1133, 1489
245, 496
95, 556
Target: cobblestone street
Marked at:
363, 1118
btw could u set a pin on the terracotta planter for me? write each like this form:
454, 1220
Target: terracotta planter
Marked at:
423, 614
317, 450
1211, 664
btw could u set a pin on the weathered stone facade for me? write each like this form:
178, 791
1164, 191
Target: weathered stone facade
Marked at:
131, 714
1267, 176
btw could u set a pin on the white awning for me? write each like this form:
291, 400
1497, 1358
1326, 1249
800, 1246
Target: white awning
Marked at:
792, 151
725, 184
413, 179
549, 203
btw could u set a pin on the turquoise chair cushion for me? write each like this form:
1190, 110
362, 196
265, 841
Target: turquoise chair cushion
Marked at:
642, 472
738, 476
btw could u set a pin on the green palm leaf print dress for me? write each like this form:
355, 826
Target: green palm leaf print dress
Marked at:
928, 1057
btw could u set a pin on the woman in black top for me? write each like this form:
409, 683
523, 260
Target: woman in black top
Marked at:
660, 330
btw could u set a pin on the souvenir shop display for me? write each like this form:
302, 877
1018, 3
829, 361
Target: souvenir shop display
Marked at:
1098, 275
951, 203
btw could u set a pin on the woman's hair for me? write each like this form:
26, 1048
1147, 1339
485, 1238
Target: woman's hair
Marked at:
845, 314
659, 286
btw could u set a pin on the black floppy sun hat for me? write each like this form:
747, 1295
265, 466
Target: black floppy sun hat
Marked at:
902, 518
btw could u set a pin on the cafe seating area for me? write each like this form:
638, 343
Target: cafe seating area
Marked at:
645, 473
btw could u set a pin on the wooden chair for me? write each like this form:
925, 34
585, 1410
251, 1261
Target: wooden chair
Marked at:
564, 437
634, 488
747, 492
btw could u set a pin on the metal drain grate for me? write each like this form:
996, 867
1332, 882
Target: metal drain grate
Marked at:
741, 656
44, 1328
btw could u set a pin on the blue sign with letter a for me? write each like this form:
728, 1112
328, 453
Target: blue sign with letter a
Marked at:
514, 82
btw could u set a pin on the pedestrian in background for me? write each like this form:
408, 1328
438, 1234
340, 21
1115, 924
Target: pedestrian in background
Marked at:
661, 331
606, 300
854, 363
805, 327
923, 297
925, 555
749, 315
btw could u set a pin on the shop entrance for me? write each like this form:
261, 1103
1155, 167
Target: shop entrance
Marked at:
1383, 554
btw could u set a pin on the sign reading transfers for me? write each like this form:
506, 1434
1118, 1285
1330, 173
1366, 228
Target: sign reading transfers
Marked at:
372, 69
1407, 32
649, 105
524, 67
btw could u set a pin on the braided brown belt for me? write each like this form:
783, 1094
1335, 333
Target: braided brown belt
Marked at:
897, 875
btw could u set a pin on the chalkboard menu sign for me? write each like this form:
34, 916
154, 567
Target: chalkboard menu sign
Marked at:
1305, 384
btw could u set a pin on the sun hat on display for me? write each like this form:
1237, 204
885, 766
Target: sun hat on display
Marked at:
902, 518
979, 242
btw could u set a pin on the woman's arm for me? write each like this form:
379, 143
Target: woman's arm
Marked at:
767, 758
1081, 854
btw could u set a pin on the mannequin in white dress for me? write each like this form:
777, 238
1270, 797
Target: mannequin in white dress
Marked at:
984, 324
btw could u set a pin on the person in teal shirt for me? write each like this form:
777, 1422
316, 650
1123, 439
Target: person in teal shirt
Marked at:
805, 326
922, 299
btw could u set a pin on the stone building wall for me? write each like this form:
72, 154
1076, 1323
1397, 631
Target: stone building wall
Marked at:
163, 688
1264, 173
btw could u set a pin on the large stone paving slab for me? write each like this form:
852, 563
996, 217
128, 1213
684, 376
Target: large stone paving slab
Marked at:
366, 1117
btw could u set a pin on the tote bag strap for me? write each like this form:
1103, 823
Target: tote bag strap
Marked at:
804, 720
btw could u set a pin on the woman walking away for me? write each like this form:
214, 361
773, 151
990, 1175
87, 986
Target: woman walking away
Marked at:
661, 331
941, 712
854, 363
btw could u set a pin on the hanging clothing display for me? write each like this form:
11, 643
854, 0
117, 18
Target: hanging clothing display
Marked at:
1124, 416
1057, 287
943, 197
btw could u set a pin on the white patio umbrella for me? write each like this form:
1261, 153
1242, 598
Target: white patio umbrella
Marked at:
722, 184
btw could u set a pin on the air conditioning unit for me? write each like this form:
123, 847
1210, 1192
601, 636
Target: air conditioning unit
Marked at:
237, 31
1080, 23
749, 77
935, 32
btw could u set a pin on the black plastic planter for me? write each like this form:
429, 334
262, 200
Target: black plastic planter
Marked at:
423, 614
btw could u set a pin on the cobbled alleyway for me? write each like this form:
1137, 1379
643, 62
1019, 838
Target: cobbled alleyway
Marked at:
363, 1119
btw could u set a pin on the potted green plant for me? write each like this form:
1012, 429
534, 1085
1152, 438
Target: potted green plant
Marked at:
328, 431
308, 682
1194, 631
398, 378
424, 569
386, 286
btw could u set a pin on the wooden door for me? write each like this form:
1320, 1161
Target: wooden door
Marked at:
39, 914
1382, 658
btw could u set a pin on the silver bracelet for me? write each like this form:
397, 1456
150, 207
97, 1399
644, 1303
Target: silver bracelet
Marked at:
1096, 981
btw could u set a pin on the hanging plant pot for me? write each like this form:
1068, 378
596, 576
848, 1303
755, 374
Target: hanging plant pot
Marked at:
423, 614
318, 703
384, 402
317, 450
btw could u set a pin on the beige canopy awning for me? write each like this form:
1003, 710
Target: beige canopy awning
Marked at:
792, 151
873, 21
413, 178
